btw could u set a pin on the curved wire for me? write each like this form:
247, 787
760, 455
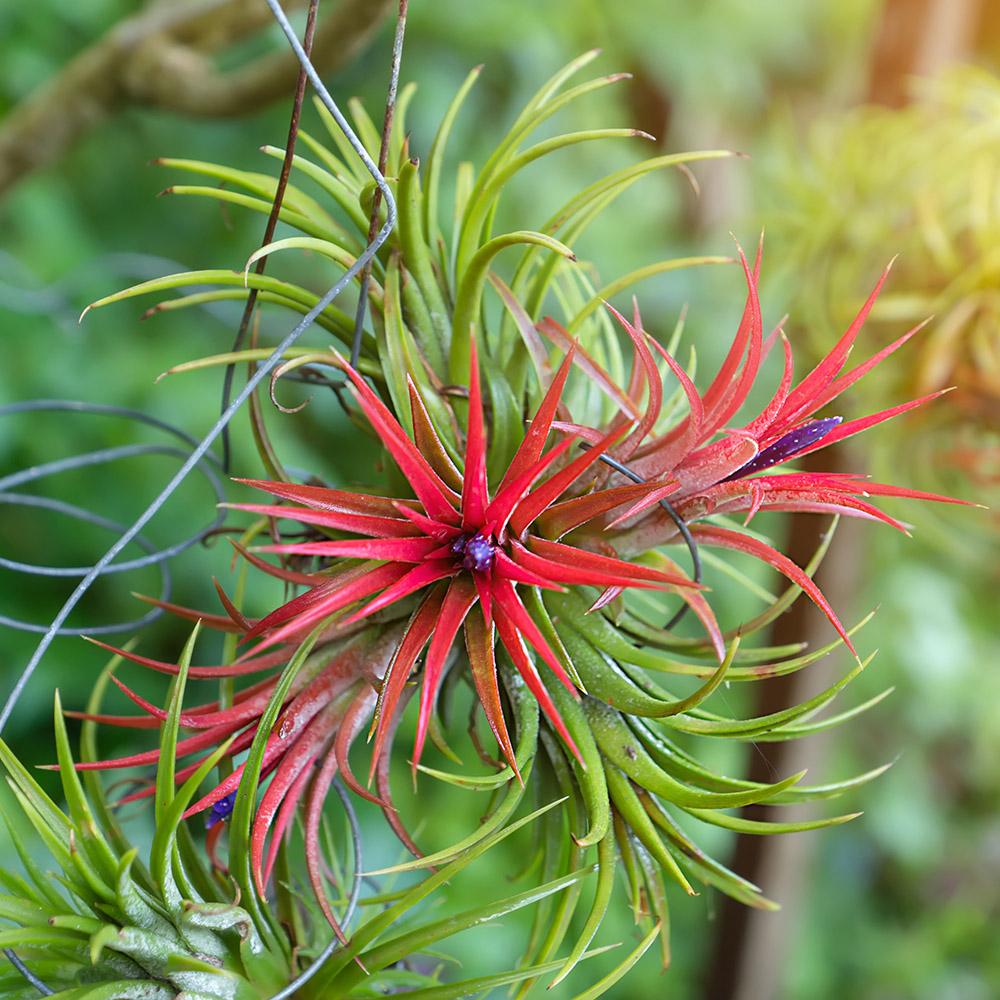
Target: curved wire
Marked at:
682, 527
153, 556
352, 904
201, 450
253, 381
103, 457
27, 973
81, 514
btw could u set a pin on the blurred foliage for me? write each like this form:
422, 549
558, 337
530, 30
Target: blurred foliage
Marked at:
838, 198
901, 902
932, 195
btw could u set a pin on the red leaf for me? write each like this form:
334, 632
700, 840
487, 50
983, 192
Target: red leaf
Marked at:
314, 859
436, 529
221, 623
823, 374
724, 538
505, 568
514, 645
722, 383
428, 442
359, 524
296, 759
410, 550
475, 495
499, 512
458, 600
427, 485
202, 673
590, 367
234, 612
556, 555
310, 609
530, 449
851, 427
286, 814
482, 662
533, 504
279, 572
839, 385
352, 723
566, 515
654, 386
762, 424
418, 631
656, 493
506, 597
733, 399
413, 580
324, 498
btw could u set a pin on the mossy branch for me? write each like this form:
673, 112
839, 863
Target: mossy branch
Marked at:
162, 58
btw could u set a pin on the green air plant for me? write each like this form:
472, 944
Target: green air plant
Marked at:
536, 474
931, 193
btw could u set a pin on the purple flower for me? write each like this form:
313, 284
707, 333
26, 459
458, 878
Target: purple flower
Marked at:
787, 446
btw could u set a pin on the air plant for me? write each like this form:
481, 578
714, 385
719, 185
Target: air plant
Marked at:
534, 483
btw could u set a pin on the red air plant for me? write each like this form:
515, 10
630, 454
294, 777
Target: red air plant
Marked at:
456, 556
464, 551
714, 467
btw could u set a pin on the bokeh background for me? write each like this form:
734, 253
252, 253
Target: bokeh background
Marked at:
872, 128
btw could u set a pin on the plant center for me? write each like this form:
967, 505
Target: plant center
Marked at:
474, 552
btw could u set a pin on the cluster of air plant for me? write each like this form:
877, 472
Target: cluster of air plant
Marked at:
933, 195
517, 539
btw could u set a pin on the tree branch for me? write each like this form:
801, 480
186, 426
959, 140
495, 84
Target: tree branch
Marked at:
163, 58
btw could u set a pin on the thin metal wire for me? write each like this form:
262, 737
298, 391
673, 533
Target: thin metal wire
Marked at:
383, 159
252, 382
681, 527
103, 457
27, 973
202, 447
272, 221
154, 556
352, 903
81, 514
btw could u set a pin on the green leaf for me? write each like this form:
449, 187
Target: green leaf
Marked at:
435, 158
470, 293
606, 864
310, 225
378, 924
602, 986
482, 985
417, 941
633, 277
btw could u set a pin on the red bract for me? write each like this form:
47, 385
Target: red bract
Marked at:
715, 466
464, 553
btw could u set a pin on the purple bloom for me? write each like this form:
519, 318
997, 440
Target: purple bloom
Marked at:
787, 446
220, 811
478, 554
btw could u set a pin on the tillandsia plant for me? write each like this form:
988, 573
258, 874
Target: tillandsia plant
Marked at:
932, 194
538, 476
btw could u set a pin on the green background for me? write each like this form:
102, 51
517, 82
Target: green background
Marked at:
903, 902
